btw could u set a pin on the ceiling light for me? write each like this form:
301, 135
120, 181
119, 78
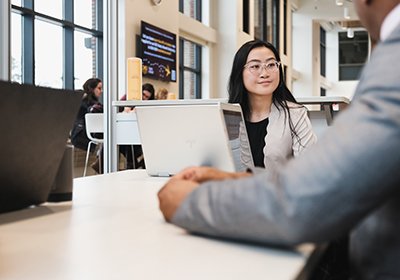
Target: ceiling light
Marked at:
339, 2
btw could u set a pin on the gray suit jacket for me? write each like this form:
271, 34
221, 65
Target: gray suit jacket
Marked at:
349, 181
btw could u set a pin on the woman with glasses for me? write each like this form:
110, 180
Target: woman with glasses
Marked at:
277, 126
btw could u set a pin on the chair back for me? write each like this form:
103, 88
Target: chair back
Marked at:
94, 124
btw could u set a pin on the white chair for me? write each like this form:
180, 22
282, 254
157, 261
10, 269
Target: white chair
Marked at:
94, 124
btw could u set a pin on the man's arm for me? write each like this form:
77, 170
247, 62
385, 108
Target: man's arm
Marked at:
351, 171
318, 196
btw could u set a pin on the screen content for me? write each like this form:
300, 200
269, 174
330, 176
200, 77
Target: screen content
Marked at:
158, 53
238, 140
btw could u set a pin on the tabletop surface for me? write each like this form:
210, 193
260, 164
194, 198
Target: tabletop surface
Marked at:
113, 229
301, 100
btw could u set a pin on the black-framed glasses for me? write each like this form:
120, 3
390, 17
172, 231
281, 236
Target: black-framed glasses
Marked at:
256, 67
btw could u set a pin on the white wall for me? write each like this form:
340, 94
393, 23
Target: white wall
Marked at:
302, 54
164, 16
220, 36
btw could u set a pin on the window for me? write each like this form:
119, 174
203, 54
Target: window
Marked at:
273, 21
189, 70
85, 47
260, 20
322, 47
191, 8
285, 27
246, 16
48, 57
49, 7
56, 43
16, 50
266, 21
353, 53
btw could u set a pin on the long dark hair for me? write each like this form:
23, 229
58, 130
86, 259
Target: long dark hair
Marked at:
238, 92
88, 88
149, 88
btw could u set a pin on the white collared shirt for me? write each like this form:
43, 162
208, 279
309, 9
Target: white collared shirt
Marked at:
390, 22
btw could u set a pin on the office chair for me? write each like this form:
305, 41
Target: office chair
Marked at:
94, 124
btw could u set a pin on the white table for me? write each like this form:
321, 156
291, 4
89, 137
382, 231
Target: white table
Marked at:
126, 127
327, 103
113, 229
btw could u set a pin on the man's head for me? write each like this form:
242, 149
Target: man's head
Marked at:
372, 13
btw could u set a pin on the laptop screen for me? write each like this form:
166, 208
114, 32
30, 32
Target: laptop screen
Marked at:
238, 140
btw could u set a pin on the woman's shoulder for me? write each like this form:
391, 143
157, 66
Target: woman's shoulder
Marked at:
297, 111
295, 106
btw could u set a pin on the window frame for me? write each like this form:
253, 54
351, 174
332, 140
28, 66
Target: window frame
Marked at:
358, 65
197, 70
28, 16
197, 9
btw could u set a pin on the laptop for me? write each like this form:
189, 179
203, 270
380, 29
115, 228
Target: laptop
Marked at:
35, 124
175, 137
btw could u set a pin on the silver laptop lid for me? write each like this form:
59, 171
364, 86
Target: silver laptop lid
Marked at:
175, 137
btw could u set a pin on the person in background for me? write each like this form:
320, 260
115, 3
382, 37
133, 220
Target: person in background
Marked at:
347, 182
277, 126
147, 92
162, 94
136, 160
93, 89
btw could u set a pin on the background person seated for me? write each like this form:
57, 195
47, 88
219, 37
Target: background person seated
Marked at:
162, 94
136, 160
93, 89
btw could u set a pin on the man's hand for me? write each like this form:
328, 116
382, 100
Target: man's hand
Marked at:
172, 194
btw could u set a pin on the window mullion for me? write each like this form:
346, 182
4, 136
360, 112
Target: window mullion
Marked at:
198, 74
68, 45
28, 49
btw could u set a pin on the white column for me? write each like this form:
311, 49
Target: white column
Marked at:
110, 82
5, 40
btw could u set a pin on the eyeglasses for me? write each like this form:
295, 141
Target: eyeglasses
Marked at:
256, 68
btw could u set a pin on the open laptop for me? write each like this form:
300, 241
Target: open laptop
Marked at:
175, 137
35, 123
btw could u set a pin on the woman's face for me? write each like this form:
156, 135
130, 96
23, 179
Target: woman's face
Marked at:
98, 90
146, 94
261, 72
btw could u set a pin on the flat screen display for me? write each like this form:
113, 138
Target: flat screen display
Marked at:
158, 53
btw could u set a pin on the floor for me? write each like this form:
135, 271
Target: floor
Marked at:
79, 163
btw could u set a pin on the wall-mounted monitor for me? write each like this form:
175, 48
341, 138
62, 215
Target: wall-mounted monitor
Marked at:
158, 53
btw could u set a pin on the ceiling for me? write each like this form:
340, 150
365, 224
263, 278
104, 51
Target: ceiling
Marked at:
331, 14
